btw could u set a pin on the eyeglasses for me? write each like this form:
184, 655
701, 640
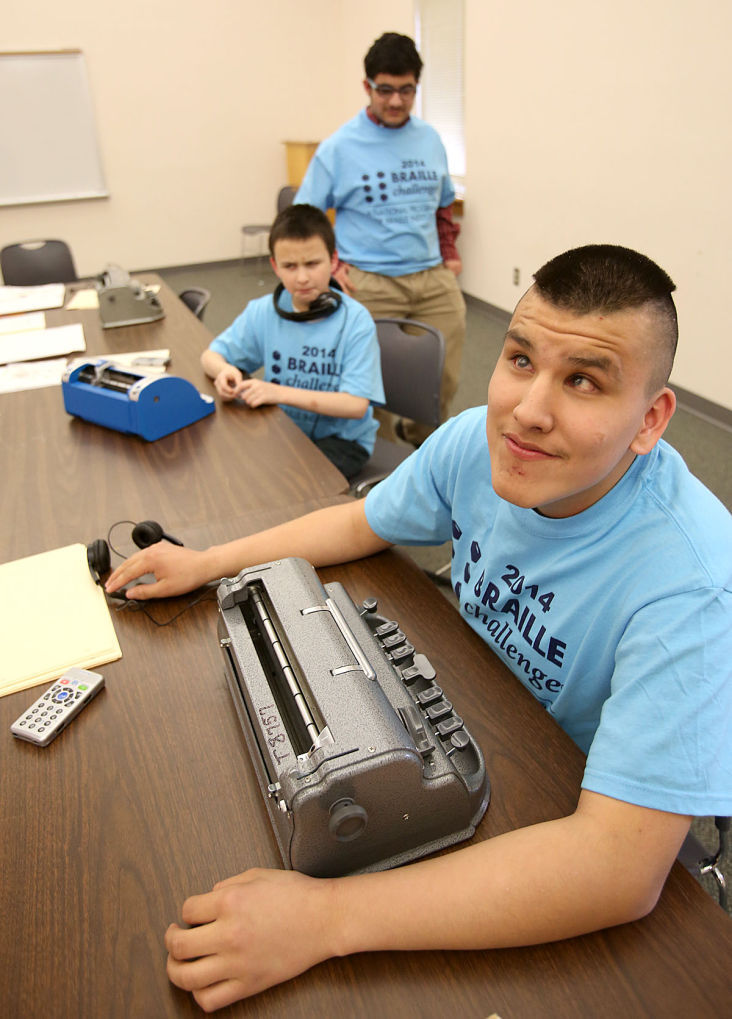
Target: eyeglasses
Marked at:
405, 92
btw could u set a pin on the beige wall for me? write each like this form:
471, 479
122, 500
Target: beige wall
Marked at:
193, 101
584, 123
605, 123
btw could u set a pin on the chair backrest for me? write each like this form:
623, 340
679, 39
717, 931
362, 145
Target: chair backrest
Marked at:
411, 367
195, 298
285, 197
32, 263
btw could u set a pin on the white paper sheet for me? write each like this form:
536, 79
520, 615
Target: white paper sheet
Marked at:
37, 343
22, 323
31, 375
17, 299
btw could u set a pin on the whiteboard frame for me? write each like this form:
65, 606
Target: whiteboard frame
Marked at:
49, 150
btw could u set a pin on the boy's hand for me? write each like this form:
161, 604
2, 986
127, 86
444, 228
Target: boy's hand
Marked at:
177, 570
228, 382
257, 392
254, 930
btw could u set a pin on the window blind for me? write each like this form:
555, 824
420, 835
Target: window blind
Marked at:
439, 36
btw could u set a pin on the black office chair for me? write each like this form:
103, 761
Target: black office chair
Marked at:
411, 367
32, 263
195, 298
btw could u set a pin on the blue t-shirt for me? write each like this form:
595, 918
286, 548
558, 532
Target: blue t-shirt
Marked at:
338, 353
616, 619
386, 185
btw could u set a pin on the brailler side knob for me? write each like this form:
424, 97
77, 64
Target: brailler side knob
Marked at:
347, 820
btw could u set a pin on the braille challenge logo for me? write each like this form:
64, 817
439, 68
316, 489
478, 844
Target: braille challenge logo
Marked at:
378, 189
511, 610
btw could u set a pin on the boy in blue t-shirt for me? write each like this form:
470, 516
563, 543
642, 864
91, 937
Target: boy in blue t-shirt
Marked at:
596, 567
318, 346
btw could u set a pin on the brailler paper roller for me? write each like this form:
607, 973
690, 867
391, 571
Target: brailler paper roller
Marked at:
147, 405
363, 761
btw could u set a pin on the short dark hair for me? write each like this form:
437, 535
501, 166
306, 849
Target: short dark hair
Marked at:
609, 278
393, 54
300, 223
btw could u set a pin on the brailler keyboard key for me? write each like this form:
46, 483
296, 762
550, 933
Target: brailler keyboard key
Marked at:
439, 710
404, 651
431, 694
392, 639
386, 628
449, 725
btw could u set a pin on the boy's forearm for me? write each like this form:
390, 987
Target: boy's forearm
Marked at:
339, 405
506, 892
539, 884
212, 362
332, 535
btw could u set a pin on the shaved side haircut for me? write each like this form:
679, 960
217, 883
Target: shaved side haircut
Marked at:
607, 278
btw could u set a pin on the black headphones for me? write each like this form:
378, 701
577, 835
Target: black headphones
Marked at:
144, 534
324, 304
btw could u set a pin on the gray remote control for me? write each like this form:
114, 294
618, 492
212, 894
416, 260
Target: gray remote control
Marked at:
55, 708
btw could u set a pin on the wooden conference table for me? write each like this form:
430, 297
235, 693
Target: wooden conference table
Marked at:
149, 796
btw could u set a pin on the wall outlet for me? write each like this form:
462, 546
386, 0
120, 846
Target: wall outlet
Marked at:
516, 276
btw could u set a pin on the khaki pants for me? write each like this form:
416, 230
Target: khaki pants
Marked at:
431, 296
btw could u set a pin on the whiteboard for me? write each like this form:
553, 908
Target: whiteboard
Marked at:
48, 141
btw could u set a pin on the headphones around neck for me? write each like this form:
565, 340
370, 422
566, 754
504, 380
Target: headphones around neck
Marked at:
324, 304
